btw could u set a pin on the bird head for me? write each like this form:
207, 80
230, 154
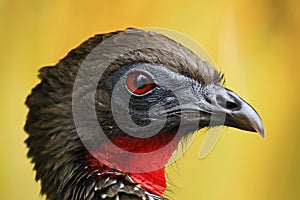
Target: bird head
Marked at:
150, 92
118, 105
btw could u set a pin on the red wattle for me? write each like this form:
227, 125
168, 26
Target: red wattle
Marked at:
144, 158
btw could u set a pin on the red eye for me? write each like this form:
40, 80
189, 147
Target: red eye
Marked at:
139, 83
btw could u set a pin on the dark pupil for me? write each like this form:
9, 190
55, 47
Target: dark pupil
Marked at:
140, 82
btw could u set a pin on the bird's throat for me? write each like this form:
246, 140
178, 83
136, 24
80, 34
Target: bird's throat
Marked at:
143, 159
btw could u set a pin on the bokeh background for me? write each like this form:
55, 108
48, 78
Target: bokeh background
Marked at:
254, 42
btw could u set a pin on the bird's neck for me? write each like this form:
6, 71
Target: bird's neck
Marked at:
145, 162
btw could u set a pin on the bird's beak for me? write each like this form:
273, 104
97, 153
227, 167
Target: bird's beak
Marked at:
238, 113
246, 119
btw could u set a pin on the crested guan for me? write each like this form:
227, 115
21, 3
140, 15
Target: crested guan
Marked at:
104, 121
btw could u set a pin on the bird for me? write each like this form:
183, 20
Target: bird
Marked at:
104, 121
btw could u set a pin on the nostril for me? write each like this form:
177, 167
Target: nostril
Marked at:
231, 105
227, 103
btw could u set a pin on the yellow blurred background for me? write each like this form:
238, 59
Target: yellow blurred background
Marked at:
254, 42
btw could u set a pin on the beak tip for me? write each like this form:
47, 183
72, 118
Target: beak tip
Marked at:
259, 127
262, 133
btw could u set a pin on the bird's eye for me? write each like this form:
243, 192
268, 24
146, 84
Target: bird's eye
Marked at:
139, 83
